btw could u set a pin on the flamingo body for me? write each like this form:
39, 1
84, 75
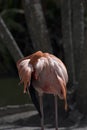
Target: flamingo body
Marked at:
49, 77
47, 72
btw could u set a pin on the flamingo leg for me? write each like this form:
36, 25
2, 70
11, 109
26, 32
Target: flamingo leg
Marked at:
42, 113
56, 113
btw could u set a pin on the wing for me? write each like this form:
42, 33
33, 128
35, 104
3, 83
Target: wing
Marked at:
61, 69
25, 69
40, 66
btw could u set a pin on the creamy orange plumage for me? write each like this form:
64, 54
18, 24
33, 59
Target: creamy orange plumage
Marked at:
48, 72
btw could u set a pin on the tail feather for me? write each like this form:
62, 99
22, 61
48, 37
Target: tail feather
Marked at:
34, 98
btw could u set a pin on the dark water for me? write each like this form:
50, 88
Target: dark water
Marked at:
11, 93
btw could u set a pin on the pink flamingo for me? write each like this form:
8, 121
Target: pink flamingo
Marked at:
44, 73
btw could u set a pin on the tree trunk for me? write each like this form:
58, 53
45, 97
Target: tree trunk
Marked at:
80, 48
9, 41
37, 25
67, 39
78, 33
82, 88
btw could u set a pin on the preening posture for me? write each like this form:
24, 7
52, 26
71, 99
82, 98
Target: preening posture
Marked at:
44, 73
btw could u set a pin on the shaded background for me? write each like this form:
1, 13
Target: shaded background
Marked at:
55, 26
